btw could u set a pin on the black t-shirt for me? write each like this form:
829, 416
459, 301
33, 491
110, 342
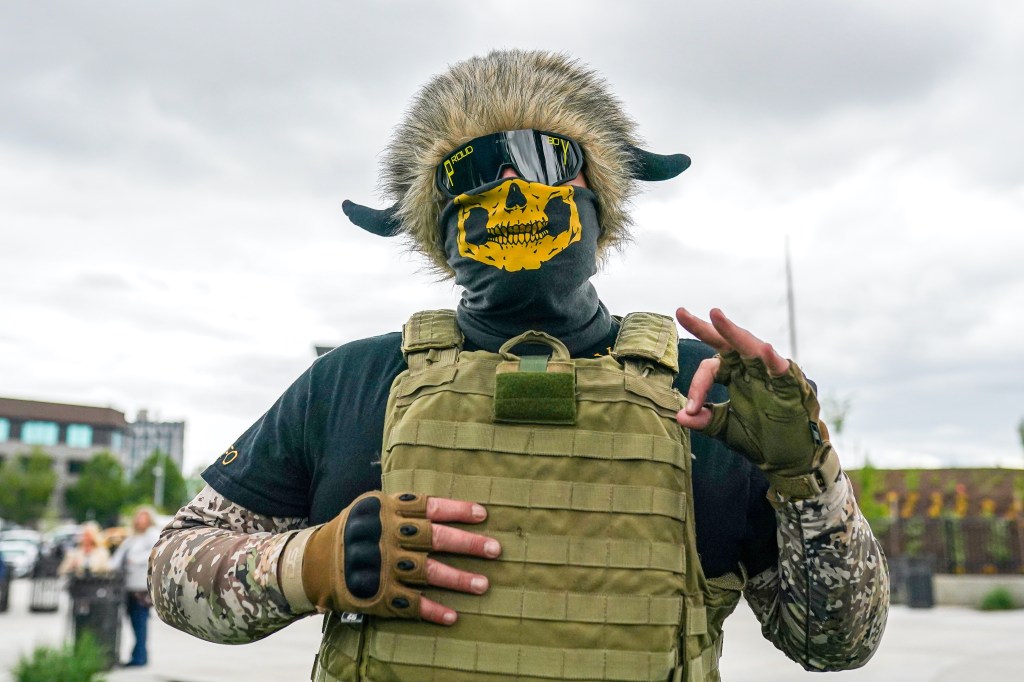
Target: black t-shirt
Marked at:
318, 448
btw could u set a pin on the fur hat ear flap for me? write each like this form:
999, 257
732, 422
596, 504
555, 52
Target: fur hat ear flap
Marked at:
648, 166
381, 222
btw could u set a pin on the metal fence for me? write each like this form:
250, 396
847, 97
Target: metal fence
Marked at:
971, 545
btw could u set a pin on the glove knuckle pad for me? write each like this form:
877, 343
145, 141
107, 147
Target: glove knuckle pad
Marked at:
357, 562
363, 584
362, 548
414, 534
367, 506
409, 505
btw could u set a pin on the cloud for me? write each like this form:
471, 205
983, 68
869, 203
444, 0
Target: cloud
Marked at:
796, 60
171, 178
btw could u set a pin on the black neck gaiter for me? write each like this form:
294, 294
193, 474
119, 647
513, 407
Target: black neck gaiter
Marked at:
524, 253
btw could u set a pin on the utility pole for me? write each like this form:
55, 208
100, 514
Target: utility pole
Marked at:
790, 304
158, 481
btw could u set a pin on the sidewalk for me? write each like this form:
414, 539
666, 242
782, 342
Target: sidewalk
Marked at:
934, 645
174, 656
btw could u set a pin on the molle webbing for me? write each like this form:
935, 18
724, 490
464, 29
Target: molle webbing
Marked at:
554, 663
701, 667
518, 492
599, 577
565, 550
538, 441
565, 606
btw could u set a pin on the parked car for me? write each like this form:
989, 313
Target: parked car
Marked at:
62, 538
22, 535
21, 556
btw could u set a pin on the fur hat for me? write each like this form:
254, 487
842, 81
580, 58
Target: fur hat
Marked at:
510, 90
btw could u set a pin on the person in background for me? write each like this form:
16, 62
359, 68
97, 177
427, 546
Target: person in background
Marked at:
132, 557
90, 557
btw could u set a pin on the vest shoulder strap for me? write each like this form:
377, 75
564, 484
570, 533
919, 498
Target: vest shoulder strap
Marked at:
431, 337
431, 329
645, 336
648, 336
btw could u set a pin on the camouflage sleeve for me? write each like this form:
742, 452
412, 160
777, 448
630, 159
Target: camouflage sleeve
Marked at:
826, 602
214, 571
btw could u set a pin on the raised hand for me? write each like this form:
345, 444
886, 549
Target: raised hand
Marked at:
724, 336
772, 416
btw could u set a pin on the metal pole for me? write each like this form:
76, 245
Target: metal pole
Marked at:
791, 305
158, 481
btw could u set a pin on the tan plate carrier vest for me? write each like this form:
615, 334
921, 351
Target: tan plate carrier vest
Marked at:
585, 474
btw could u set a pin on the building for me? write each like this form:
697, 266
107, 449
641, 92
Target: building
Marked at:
145, 437
71, 434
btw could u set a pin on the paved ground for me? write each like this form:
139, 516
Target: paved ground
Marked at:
935, 645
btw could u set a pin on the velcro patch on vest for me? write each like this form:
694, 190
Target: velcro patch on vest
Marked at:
533, 390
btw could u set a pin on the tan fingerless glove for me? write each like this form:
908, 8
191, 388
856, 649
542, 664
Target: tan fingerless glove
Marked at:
775, 422
365, 558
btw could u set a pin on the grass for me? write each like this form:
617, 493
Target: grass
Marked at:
81, 662
998, 599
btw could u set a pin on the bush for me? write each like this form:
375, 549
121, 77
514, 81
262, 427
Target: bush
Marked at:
81, 662
998, 599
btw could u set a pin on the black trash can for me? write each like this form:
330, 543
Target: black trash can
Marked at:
920, 592
5, 585
96, 602
45, 585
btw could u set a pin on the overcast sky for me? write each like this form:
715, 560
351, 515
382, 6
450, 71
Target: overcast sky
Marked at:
171, 177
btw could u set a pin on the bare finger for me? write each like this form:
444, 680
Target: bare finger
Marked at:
458, 541
700, 384
443, 575
702, 330
697, 422
442, 509
437, 613
748, 345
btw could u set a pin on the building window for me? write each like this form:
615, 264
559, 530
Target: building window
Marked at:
79, 436
75, 466
40, 433
5, 429
116, 441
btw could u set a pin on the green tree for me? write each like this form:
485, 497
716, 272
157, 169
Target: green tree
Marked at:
195, 483
143, 485
834, 411
100, 491
1020, 431
871, 482
26, 484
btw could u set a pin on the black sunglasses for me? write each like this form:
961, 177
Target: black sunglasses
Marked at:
537, 156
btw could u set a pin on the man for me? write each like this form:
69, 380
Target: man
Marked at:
612, 544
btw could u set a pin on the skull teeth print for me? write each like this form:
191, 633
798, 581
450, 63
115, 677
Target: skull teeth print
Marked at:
506, 235
519, 230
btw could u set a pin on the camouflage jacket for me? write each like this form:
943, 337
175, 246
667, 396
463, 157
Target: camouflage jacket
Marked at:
215, 574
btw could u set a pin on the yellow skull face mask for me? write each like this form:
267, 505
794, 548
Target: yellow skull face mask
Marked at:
517, 225
524, 254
